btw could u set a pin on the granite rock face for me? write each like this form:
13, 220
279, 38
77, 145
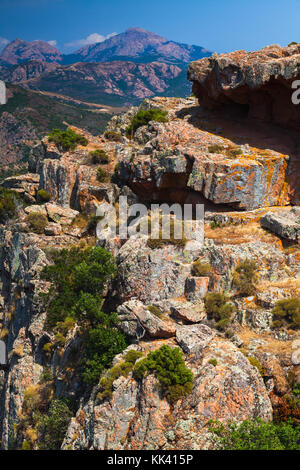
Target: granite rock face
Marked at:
178, 162
259, 80
139, 417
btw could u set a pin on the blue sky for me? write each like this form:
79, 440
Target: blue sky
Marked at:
218, 25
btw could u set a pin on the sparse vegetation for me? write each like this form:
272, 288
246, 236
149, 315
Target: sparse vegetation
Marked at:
122, 369
219, 309
9, 201
67, 140
287, 313
43, 196
99, 156
200, 269
36, 222
113, 136
142, 118
101, 175
245, 278
215, 148
155, 311
168, 365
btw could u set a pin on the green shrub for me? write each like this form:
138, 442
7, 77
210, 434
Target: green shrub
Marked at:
256, 435
78, 280
245, 278
219, 309
99, 156
255, 363
142, 118
293, 43
36, 222
233, 151
101, 175
168, 365
216, 148
200, 269
102, 344
43, 195
287, 313
213, 362
74, 272
113, 136
9, 201
155, 311
53, 425
122, 369
67, 140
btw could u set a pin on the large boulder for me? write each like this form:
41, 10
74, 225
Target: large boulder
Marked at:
138, 321
285, 223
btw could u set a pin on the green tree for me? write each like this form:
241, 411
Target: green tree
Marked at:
256, 435
53, 425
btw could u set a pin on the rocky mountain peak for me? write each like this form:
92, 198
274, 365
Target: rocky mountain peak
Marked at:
19, 51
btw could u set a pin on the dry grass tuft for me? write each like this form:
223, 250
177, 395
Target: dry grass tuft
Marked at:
237, 234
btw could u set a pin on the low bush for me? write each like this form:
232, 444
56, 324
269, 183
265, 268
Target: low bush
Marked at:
168, 365
101, 175
122, 369
155, 311
170, 240
255, 363
99, 156
245, 278
53, 425
219, 309
216, 148
256, 435
200, 269
43, 196
36, 222
113, 136
287, 313
142, 118
9, 201
67, 140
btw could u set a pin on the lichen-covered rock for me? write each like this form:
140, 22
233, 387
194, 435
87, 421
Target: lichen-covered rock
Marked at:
285, 223
261, 79
137, 322
138, 417
193, 339
150, 274
179, 162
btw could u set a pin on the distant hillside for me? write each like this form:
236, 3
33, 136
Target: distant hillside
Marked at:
120, 71
28, 116
19, 51
112, 83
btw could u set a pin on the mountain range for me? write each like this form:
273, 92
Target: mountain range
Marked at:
122, 70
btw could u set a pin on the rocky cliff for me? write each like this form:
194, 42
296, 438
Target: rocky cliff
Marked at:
246, 369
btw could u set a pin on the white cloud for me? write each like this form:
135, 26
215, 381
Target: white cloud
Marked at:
3, 43
91, 39
53, 42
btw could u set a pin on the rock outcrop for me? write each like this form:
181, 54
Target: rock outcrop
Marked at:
139, 418
259, 81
